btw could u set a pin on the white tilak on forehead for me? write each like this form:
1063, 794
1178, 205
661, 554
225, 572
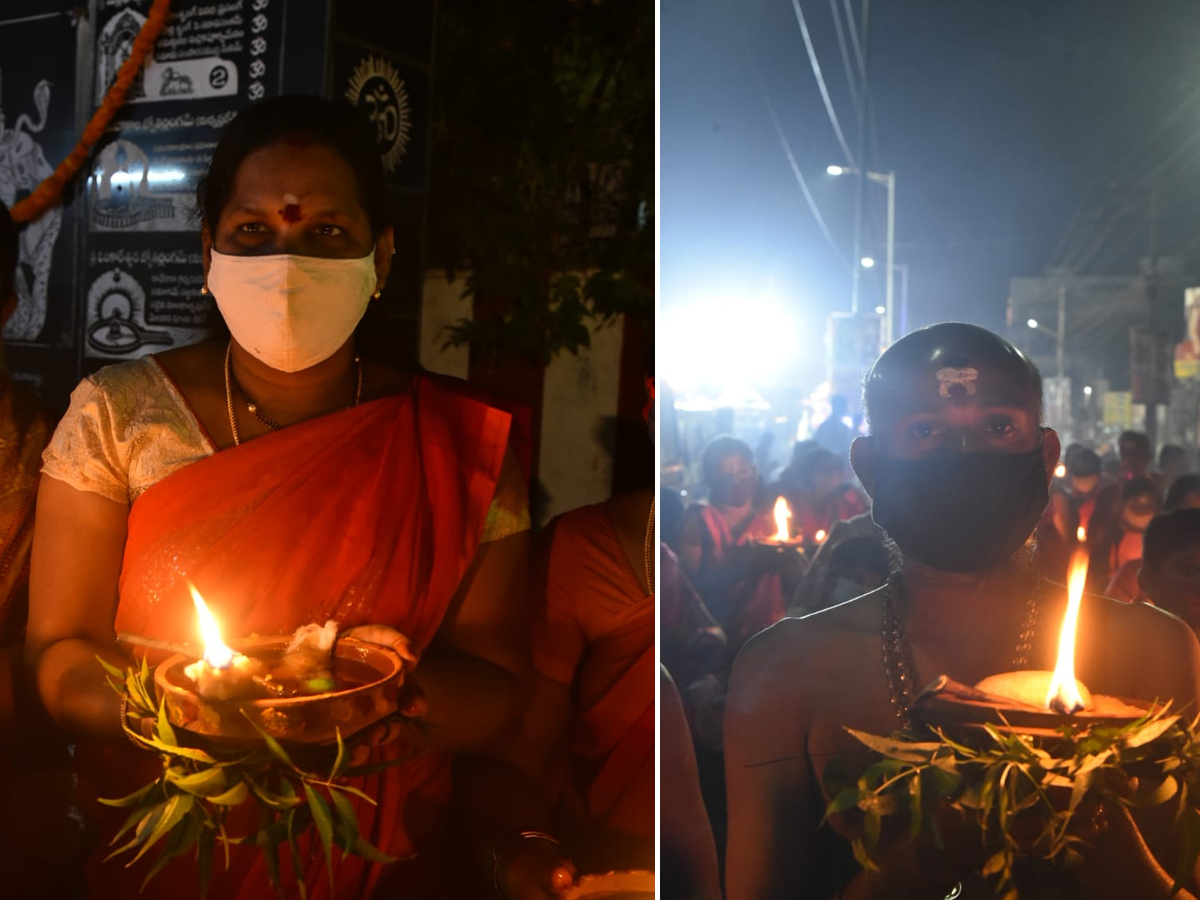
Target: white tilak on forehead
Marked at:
965, 377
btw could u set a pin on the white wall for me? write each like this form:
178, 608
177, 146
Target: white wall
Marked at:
580, 394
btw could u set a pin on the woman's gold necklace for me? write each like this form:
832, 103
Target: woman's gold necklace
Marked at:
231, 382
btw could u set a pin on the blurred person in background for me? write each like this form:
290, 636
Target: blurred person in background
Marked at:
834, 434
1172, 462
857, 566
688, 868
808, 597
41, 848
743, 582
1112, 545
1170, 571
1072, 502
823, 497
1136, 458
1184, 493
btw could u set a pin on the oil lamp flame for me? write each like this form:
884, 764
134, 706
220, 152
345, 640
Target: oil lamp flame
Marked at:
820, 535
1063, 695
783, 513
216, 654
1060, 471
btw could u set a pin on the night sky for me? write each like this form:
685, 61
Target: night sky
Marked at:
996, 116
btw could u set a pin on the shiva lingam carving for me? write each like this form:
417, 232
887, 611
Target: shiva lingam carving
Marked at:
1031, 700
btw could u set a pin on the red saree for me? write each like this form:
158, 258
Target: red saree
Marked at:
594, 631
753, 603
368, 515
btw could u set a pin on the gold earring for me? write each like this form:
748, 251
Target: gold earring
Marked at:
376, 295
204, 290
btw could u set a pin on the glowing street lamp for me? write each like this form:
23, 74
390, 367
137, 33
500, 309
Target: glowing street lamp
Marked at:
868, 262
835, 170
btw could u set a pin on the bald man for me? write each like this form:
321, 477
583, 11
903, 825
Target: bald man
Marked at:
958, 466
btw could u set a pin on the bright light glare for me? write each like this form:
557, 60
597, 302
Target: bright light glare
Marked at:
167, 176
1032, 323
835, 170
880, 310
1087, 390
868, 262
727, 344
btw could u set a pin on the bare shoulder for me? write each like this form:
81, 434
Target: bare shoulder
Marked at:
1140, 651
806, 648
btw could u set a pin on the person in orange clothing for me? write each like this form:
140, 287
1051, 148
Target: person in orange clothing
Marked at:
573, 792
743, 584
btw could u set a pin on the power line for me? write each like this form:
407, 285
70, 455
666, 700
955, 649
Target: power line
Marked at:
841, 36
816, 67
787, 148
852, 27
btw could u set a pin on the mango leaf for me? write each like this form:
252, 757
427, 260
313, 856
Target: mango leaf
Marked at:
996, 864
321, 818
846, 799
147, 821
164, 732
235, 796
204, 854
118, 675
176, 808
205, 783
340, 760
372, 853
347, 820
131, 799
279, 802
860, 854
908, 751
182, 836
294, 851
915, 806
1150, 731
270, 853
273, 745
1189, 847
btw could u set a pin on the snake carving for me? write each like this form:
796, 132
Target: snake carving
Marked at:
23, 166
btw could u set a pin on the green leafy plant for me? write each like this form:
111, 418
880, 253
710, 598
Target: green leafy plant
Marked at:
186, 807
542, 170
1023, 793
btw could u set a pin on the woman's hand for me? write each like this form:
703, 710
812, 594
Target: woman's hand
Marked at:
411, 704
534, 869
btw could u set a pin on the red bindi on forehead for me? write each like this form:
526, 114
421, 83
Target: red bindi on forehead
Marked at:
291, 213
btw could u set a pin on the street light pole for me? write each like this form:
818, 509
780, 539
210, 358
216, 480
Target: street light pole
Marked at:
1062, 331
888, 180
891, 256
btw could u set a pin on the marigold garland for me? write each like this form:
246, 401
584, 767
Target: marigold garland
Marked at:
49, 192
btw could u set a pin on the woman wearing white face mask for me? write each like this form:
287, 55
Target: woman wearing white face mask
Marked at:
291, 481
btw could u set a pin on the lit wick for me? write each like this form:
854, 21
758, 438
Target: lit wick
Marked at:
1063, 695
820, 535
222, 674
783, 513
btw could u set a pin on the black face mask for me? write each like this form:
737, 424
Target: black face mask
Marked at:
961, 513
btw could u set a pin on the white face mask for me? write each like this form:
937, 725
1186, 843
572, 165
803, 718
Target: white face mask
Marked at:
291, 312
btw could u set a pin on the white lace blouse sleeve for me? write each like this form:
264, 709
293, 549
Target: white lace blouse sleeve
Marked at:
88, 450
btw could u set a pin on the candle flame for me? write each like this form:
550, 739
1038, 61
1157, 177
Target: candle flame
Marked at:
216, 654
783, 513
1081, 534
820, 535
1063, 694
